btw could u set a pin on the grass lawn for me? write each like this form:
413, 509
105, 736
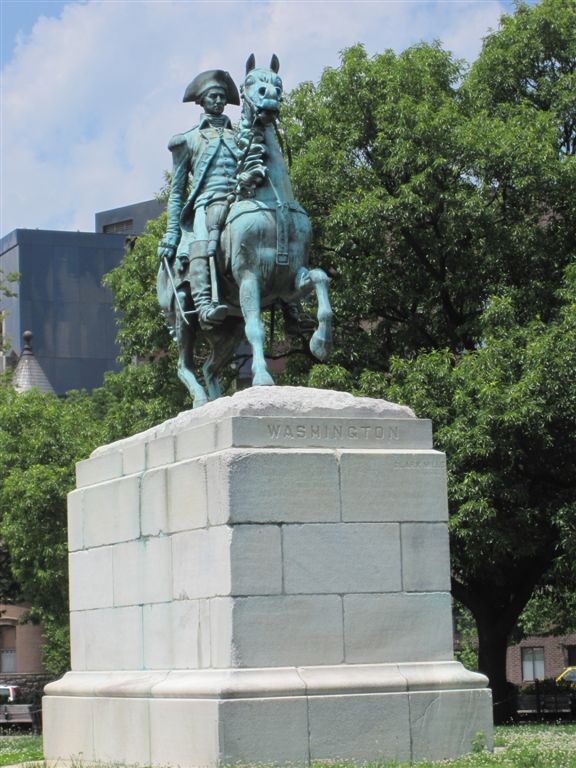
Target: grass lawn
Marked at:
520, 746
20, 749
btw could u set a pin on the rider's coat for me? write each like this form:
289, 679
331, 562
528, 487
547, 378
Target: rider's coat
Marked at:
209, 155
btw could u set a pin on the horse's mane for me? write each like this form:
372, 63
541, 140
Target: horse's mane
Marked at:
251, 143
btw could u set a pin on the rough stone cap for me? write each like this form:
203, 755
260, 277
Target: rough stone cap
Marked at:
283, 402
275, 402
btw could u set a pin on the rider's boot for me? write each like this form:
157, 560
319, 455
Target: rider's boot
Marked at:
296, 321
209, 313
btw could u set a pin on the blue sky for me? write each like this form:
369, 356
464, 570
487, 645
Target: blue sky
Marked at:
92, 90
18, 18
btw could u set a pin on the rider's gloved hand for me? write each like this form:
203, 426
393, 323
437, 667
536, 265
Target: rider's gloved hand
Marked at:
166, 249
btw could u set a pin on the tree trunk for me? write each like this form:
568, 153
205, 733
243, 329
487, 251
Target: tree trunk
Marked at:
492, 647
496, 608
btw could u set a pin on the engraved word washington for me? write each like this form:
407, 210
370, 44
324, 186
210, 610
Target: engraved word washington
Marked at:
280, 431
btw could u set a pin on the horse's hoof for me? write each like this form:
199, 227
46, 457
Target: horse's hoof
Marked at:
263, 380
320, 347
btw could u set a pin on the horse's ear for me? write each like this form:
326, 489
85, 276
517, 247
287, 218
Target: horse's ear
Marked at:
250, 63
274, 63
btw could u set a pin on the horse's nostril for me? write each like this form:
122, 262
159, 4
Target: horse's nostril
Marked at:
262, 90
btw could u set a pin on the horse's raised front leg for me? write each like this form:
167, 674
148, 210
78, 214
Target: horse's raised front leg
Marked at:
317, 279
254, 328
185, 337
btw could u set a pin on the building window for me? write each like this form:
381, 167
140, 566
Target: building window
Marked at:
532, 663
571, 655
7, 649
119, 227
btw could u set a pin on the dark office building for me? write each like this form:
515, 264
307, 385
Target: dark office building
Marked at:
128, 220
60, 297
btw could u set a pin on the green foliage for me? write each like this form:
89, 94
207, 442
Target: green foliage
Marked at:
426, 199
9, 589
41, 438
442, 203
331, 377
548, 686
479, 742
505, 414
142, 333
56, 649
466, 646
37, 495
6, 290
551, 609
140, 396
5, 278
530, 61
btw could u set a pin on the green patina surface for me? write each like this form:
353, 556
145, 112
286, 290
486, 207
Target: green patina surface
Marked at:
236, 241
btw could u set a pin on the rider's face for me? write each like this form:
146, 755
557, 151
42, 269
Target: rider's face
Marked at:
214, 101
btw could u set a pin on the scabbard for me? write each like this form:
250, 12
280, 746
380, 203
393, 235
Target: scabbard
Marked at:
213, 280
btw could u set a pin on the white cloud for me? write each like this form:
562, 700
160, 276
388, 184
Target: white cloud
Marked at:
463, 35
90, 99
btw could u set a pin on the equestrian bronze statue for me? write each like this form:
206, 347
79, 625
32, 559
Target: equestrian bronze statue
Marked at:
237, 241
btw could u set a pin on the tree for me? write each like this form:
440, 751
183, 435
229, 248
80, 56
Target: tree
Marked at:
426, 199
505, 414
530, 61
442, 201
551, 609
41, 438
142, 333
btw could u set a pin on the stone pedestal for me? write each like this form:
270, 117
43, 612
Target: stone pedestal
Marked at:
264, 580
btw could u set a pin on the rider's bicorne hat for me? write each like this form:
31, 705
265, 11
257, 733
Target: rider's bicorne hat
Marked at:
212, 78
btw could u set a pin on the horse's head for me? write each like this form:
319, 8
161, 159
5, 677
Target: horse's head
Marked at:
262, 90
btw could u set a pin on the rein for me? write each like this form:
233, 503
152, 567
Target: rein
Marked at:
283, 142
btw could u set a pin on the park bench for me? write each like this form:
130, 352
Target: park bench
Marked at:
18, 714
545, 703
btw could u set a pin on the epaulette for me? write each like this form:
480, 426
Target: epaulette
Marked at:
176, 141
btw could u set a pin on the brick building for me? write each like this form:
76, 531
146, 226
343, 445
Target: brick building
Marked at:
537, 658
21, 654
